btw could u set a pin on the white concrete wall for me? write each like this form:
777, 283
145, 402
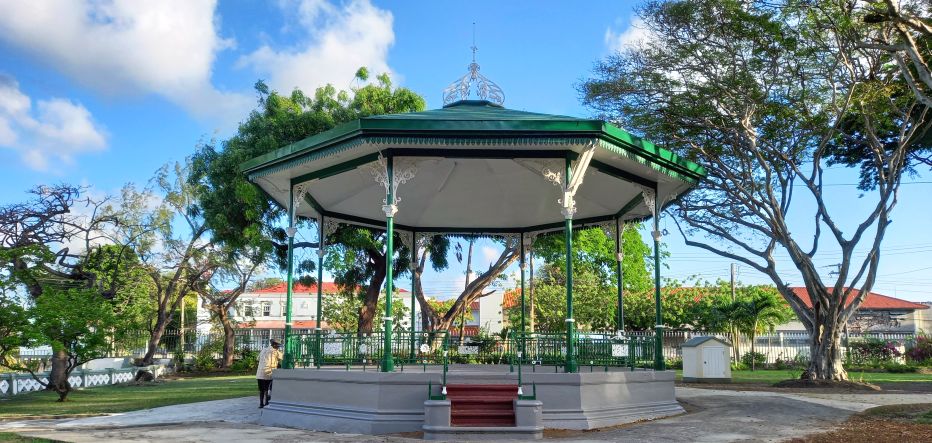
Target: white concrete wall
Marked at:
490, 312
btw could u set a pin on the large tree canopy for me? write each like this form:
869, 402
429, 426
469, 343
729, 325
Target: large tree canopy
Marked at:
759, 93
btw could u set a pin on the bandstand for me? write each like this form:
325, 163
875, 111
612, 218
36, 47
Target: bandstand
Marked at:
473, 167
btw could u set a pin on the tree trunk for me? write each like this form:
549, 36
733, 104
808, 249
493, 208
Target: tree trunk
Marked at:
825, 356
370, 302
160, 324
229, 338
474, 290
466, 306
58, 376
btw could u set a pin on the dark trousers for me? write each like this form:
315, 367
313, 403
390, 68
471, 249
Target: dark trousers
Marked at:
265, 391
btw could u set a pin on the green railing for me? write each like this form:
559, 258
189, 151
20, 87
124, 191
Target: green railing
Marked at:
313, 349
349, 349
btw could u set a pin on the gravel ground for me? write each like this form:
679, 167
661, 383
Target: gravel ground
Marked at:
714, 415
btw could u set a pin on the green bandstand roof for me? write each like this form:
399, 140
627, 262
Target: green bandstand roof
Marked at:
479, 168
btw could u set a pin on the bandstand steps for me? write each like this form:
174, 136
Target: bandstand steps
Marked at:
482, 405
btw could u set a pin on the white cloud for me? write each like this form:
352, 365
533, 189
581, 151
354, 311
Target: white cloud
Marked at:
335, 43
632, 36
55, 131
124, 47
490, 254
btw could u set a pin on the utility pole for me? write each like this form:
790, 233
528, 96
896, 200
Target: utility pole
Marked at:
733, 266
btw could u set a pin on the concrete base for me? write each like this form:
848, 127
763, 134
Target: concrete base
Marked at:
380, 403
705, 380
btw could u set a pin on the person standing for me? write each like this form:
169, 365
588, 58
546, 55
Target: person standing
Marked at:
269, 359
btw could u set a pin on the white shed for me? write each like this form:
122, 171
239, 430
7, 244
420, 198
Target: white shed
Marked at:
706, 359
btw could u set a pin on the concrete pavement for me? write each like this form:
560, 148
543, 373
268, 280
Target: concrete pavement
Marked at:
715, 416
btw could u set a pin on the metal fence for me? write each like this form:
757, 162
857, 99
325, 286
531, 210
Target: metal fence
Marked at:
777, 347
538, 348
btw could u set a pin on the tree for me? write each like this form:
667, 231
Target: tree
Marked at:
762, 311
239, 271
240, 215
594, 251
75, 322
182, 261
342, 311
53, 243
757, 93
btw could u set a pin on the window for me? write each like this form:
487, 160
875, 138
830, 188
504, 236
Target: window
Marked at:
266, 309
248, 311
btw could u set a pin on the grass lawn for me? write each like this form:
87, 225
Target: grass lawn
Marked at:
6, 437
773, 376
122, 398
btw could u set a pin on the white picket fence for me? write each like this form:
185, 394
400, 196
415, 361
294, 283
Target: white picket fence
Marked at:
18, 383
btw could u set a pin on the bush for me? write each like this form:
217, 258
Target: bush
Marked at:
899, 368
674, 363
873, 351
739, 366
759, 359
248, 360
205, 359
921, 351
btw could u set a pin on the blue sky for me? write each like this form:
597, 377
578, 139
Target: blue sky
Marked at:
103, 93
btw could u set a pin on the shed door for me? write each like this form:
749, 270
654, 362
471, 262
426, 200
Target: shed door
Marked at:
713, 362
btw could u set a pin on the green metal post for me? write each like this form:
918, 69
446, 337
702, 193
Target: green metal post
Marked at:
320, 292
413, 289
659, 364
523, 309
570, 321
288, 362
619, 276
388, 364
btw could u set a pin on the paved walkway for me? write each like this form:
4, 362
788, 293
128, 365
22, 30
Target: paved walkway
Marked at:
715, 416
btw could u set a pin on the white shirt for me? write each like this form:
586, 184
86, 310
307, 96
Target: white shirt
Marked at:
268, 361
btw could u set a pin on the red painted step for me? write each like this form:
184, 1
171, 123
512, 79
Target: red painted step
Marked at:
482, 405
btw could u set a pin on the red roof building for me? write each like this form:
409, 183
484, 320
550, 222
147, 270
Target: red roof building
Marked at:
872, 301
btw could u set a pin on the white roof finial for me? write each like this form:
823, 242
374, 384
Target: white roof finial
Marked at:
485, 89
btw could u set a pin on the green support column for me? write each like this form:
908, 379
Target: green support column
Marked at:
388, 364
288, 362
521, 266
523, 308
413, 291
320, 291
658, 335
619, 276
571, 365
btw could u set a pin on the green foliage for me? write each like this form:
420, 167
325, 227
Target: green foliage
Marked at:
248, 360
873, 352
920, 351
594, 253
74, 320
238, 213
750, 359
206, 358
14, 327
341, 311
899, 368
674, 363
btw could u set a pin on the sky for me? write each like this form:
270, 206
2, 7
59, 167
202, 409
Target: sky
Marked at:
102, 93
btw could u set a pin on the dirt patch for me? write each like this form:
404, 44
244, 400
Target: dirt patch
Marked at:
847, 386
893, 424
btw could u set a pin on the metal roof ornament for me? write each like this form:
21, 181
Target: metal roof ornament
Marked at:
485, 89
